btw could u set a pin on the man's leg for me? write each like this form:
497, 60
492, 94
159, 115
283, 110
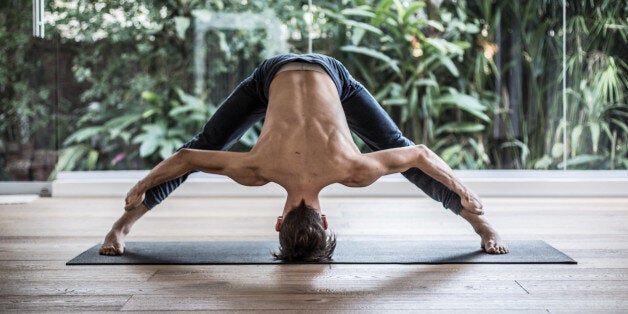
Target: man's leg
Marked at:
490, 242
240, 111
373, 125
114, 240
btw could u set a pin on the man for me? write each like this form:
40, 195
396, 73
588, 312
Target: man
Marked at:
310, 104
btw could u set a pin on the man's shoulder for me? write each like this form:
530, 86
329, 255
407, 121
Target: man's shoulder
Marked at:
362, 171
246, 171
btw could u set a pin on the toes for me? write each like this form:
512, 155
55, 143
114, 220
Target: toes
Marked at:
503, 249
500, 248
111, 250
103, 250
119, 250
494, 248
489, 247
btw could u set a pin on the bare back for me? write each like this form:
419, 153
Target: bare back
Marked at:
305, 142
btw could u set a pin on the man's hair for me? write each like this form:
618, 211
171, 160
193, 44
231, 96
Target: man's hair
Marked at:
303, 238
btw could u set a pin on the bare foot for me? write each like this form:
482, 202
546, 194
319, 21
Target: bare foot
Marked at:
491, 241
114, 240
113, 244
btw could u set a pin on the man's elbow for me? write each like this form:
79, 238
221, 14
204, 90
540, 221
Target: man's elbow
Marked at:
182, 158
423, 153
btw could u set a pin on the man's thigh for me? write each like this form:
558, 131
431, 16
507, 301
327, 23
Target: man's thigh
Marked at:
371, 123
238, 113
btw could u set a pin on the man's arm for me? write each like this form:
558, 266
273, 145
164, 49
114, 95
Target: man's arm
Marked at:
235, 165
401, 159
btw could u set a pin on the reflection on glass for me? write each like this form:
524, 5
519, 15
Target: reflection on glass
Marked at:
121, 85
597, 112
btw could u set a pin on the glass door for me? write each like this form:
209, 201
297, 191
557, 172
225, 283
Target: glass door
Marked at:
102, 85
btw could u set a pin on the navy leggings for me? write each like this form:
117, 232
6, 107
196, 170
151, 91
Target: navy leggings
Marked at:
247, 105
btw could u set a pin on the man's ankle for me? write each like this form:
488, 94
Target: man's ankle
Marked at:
121, 227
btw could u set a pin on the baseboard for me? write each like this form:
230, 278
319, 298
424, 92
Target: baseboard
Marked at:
41, 188
495, 183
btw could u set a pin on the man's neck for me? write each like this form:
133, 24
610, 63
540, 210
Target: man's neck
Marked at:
294, 199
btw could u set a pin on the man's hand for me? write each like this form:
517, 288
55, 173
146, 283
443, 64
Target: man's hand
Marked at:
471, 203
134, 198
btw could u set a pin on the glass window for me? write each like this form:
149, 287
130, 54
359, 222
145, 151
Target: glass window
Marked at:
121, 85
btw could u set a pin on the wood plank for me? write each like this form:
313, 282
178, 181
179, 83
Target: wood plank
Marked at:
235, 284
36, 240
59, 303
569, 286
391, 273
371, 301
105, 273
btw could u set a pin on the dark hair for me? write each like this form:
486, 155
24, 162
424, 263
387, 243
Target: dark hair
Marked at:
303, 238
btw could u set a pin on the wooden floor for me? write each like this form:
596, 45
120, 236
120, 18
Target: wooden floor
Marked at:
36, 240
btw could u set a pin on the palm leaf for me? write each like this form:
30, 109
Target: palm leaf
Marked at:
465, 103
374, 54
460, 127
83, 134
451, 67
364, 26
363, 11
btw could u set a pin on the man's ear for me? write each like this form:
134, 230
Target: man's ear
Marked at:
324, 218
278, 224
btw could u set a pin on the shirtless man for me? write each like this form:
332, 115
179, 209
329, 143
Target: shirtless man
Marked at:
310, 104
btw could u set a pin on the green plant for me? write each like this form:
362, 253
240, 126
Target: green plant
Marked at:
132, 114
477, 80
25, 107
596, 81
412, 50
153, 131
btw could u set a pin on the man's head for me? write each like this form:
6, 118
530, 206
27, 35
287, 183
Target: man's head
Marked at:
302, 236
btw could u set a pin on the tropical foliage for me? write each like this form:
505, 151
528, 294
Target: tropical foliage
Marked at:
411, 59
416, 51
597, 76
476, 80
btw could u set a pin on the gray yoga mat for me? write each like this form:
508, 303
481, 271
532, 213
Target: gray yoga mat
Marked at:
347, 252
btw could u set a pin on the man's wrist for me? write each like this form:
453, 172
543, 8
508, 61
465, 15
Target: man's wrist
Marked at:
141, 186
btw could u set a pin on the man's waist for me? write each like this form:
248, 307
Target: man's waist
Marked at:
301, 66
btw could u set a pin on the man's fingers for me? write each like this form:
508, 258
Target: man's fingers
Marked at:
133, 200
133, 205
130, 205
127, 204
